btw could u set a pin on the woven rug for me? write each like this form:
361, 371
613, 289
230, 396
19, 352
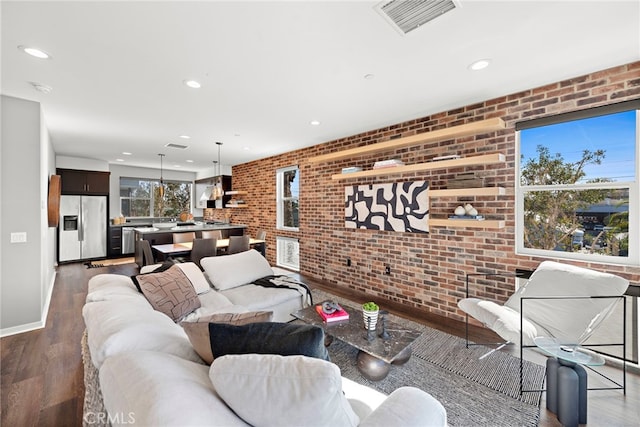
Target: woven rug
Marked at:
475, 392
108, 262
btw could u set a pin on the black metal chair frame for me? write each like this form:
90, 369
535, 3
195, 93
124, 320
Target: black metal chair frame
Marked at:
617, 386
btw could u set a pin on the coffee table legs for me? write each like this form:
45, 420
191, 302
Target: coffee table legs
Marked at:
371, 367
375, 369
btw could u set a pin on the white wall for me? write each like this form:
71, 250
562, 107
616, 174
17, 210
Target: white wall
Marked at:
27, 269
66, 162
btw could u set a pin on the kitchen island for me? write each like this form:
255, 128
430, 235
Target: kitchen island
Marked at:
161, 236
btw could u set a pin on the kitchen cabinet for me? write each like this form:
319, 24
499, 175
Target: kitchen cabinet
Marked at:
82, 182
207, 188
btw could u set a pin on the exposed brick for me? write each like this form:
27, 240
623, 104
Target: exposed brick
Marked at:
429, 270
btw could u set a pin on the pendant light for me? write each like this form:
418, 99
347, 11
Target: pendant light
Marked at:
161, 189
218, 187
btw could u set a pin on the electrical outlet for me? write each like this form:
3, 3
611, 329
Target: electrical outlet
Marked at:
387, 269
348, 262
20, 237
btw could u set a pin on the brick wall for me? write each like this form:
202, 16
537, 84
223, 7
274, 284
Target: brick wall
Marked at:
427, 270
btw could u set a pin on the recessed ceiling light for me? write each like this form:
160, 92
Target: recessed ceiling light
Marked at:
189, 161
41, 88
479, 64
35, 52
192, 84
185, 137
177, 166
369, 76
246, 148
126, 153
119, 160
314, 123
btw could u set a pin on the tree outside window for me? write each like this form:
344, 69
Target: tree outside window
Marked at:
578, 180
142, 198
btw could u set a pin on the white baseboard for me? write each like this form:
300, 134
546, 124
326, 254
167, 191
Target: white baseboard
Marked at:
5, 332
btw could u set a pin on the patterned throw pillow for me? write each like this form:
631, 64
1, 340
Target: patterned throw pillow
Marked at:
169, 292
198, 332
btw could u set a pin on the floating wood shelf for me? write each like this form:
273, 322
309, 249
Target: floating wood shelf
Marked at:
466, 223
474, 128
460, 192
235, 193
442, 164
228, 205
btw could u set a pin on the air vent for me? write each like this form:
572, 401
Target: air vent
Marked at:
407, 15
178, 146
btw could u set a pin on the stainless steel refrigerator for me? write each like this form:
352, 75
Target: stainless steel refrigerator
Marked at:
83, 227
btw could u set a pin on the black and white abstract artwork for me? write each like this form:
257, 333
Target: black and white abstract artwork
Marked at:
398, 206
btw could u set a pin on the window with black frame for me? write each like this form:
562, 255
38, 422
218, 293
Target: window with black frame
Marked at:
142, 198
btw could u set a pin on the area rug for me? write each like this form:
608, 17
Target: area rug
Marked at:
108, 262
474, 392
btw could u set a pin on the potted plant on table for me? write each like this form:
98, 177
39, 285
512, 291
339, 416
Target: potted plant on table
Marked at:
370, 315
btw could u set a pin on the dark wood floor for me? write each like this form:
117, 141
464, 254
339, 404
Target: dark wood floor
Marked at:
42, 377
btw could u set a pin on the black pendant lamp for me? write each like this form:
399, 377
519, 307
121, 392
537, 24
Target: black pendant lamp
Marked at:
161, 189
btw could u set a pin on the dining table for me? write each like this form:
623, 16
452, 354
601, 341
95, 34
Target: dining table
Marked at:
162, 252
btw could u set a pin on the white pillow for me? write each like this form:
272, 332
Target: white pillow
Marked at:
191, 270
195, 276
231, 271
273, 390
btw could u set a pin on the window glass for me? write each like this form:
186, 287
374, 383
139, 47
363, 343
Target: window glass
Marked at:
288, 253
143, 198
288, 189
578, 189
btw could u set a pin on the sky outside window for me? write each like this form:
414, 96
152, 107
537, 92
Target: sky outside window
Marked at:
614, 133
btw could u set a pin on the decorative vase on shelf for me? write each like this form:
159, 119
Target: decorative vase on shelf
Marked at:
370, 312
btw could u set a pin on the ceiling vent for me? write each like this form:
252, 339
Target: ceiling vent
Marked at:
178, 146
407, 15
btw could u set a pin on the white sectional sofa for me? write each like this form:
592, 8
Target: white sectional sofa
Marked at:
150, 374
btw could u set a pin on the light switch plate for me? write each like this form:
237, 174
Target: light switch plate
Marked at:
20, 237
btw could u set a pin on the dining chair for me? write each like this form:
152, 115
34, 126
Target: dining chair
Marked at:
212, 234
184, 237
262, 235
238, 244
143, 253
203, 248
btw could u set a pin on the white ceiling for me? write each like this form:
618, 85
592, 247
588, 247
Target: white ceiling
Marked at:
268, 68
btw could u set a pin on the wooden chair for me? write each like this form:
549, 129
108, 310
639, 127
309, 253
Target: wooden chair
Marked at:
143, 253
184, 237
238, 244
203, 248
212, 234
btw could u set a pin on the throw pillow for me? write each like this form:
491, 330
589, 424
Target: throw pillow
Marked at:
273, 390
230, 271
198, 331
170, 292
268, 338
159, 269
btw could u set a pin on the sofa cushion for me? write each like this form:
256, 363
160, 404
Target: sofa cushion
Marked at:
190, 269
198, 331
273, 390
225, 272
268, 338
148, 388
111, 286
116, 327
170, 292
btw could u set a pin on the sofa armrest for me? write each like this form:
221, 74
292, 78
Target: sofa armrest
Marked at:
407, 406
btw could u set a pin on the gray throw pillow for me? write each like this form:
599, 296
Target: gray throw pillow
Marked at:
285, 339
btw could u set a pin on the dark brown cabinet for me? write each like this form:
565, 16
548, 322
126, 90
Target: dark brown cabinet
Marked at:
81, 182
115, 241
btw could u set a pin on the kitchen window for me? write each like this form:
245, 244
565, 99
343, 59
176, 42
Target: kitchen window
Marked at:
140, 198
577, 196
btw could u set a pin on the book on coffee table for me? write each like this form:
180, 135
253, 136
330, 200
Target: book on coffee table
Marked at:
340, 314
